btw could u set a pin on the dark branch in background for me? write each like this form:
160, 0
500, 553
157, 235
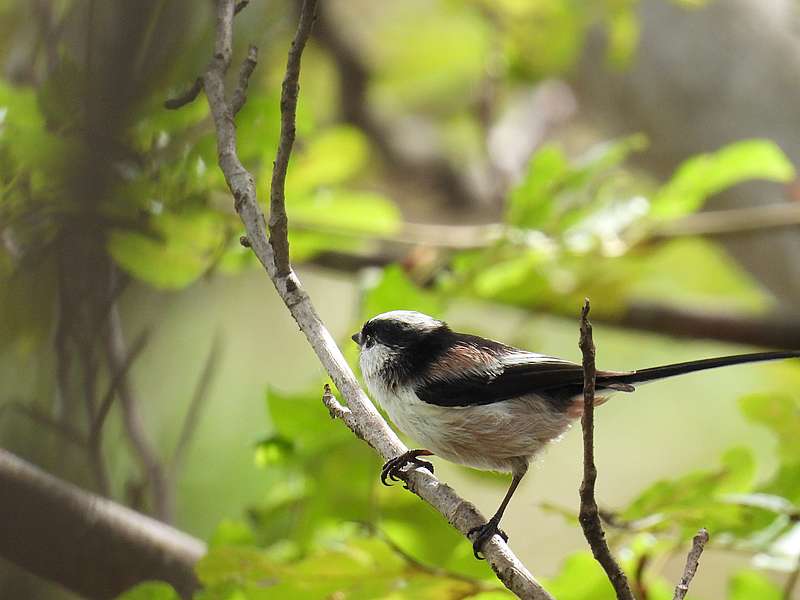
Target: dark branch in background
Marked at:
692, 561
65, 430
589, 516
434, 170
92, 546
770, 331
278, 222
359, 415
99, 419
192, 417
153, 471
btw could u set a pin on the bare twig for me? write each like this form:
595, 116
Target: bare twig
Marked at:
278, 223
692, 561
336, 410
88, 544
246, 70
360, 415
589, 516
195, 407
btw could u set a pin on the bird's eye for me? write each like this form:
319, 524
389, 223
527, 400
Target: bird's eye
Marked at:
368, 341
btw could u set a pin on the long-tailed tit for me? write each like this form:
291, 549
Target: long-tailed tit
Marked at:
481, 403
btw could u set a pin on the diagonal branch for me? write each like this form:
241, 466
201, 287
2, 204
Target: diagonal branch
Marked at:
361, 415
589, 516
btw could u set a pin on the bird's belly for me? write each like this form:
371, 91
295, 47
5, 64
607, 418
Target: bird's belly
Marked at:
490, 437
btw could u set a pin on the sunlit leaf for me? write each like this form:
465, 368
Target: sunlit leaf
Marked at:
581, 578
341, 211
329, 158
697, 499
392, 290
531, 202
700, 177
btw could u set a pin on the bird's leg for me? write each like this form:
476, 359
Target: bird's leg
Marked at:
394, 466
483, 533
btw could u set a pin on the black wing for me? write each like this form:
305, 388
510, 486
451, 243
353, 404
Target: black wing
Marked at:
475, 371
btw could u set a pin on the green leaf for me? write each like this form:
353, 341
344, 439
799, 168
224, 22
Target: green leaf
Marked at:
331, 157
531, 202
302, 419
702, 176
343, 212
555, 194
150, 590
581, 578
781, 414
355, 568
230, 532
698, 499
393, 290
181, 249
752, 585
26, 298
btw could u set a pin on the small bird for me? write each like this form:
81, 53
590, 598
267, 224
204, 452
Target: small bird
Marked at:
482, 403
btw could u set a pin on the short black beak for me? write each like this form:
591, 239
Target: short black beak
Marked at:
356, 337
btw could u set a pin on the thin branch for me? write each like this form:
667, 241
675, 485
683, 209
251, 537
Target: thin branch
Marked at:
360, 415
478, 585
589, 515
186, 97
88, 544
105, 405
732, 221
639, 583
195, 407
290, 90
67, 431
163, 502
246, 70
791, 582
692, 561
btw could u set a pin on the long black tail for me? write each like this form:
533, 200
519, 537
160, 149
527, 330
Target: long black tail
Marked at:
662, 372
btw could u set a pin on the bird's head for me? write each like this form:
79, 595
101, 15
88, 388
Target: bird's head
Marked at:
398, 330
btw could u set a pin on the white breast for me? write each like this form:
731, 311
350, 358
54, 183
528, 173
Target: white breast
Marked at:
489, 437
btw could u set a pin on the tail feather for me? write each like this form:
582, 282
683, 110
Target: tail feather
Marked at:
654, 373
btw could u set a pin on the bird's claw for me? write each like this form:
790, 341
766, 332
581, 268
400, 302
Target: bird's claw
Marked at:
483, 533
393, 467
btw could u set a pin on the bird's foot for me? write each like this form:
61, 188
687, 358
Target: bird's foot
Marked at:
483, 533
394, 466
